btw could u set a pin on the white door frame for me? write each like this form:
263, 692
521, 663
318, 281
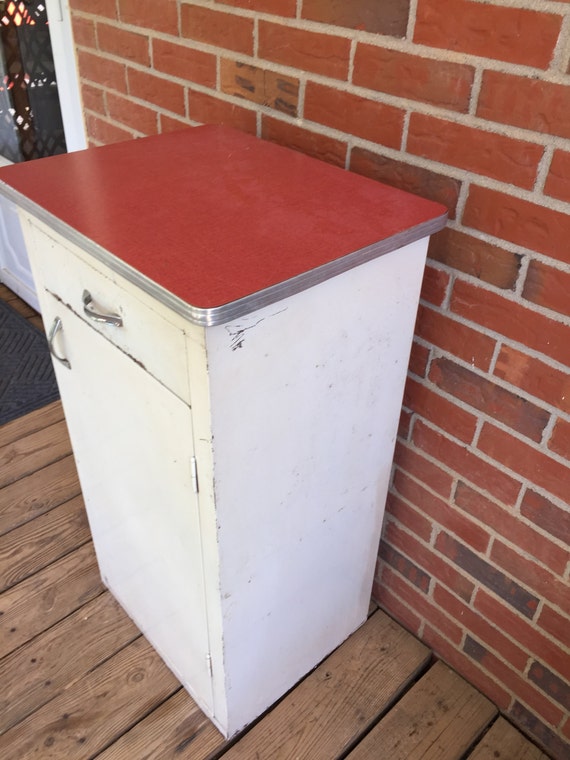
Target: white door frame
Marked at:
15, 269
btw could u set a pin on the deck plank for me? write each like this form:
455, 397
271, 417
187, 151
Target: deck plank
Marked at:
504, 742
438, 719
93, 712
31, 547
37, 493
43, 667
26, 455
31, 423
338, 701
177, 730
40, 601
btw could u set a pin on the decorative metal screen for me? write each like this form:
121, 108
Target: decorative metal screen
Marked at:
30, 117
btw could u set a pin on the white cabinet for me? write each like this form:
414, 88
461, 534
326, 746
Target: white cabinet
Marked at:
234, 455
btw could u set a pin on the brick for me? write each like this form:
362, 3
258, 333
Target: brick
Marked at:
419, 358
515, 35
554, 623
404, 75
405, 567
560, 439
504, 522
93, 99
83, 32
157, 91
534, 376
546, 515
488, 397
132, 115
400, 174
389, 17
275, 7
395, 607
442, 512
208, 109
160, 17
415, 463
476, 150
513, 681
102, 71
550, 684
487, 574
527, 102
521, 458
212, 27
475, 257
106, 8
323, 54
102, 132
422, 605
468, 668
124, 44
467, 464
184, 62
369, 119
556, 747
426, 558
450, 335
168, 124
558, 181
518, 221
259, 85
439, 411
434, 285
485, 630
404, 424
312, 143
533, 576
548, 287
494, 312
409, 517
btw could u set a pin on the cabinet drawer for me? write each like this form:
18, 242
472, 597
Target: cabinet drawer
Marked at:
148, 334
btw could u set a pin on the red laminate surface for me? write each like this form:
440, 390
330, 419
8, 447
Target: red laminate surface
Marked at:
213, 215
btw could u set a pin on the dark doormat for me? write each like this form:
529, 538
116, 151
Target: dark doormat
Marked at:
27, 379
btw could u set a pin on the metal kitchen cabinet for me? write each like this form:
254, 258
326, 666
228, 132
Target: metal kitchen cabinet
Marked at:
231, 323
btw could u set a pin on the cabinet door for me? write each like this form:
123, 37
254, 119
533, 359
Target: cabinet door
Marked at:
132, 439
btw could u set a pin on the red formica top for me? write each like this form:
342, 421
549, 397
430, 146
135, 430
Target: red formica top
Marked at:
211, 217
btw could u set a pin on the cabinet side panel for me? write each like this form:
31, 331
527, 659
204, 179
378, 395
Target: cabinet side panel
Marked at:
306, 397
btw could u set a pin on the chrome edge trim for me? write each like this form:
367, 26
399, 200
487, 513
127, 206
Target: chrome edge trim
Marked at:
227, 312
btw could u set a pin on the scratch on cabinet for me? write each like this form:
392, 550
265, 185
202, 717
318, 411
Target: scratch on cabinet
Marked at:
237, 333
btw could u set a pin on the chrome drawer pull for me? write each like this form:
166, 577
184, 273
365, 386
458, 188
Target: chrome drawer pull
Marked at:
108, 319
55, 328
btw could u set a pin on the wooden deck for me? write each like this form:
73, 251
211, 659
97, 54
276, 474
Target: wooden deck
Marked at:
78, 681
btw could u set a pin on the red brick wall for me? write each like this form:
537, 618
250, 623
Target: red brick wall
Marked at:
466, 102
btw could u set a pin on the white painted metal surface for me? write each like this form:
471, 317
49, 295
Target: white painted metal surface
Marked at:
291, 422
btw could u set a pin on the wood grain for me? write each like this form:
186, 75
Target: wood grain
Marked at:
37, 493
504, 742
438, 719
177, 730
26, 455
42, 600
31, 423
336, 703
42, 668
92, 712
33, 546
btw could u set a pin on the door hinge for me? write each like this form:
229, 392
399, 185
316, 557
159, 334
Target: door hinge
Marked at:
194, 474
209, 664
